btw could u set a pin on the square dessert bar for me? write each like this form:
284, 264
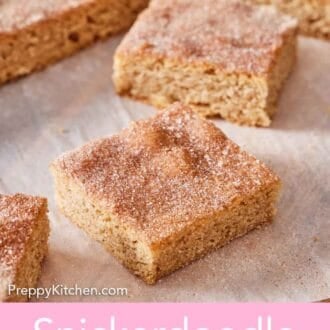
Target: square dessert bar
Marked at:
220, 57
24, 231
313, 15
36, 33
164, 191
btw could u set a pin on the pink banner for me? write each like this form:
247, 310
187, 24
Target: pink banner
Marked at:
165, 316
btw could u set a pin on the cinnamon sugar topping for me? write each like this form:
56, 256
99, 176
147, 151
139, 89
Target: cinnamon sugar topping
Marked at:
226, 33
163, 173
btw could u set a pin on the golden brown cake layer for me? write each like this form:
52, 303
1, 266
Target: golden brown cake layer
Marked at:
37, 33
221, 57
24, 231
141, 192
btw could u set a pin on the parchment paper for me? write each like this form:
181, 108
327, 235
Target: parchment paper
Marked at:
72, 102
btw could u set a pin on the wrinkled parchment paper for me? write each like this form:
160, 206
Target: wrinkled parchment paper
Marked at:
72, 102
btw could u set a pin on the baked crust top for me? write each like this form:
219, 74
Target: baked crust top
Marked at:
225, 34
161, 174
18, 214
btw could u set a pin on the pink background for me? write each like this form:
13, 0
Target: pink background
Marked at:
169, 316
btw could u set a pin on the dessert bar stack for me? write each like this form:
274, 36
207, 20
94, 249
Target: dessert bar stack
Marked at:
167, 190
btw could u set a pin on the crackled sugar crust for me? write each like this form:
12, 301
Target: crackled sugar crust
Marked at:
21, 218
34, 34
154, 181
220, 57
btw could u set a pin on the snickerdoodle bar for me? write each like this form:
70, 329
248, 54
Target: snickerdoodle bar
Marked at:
164, 191
36, 33
24, 231
313, 15
220, 57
